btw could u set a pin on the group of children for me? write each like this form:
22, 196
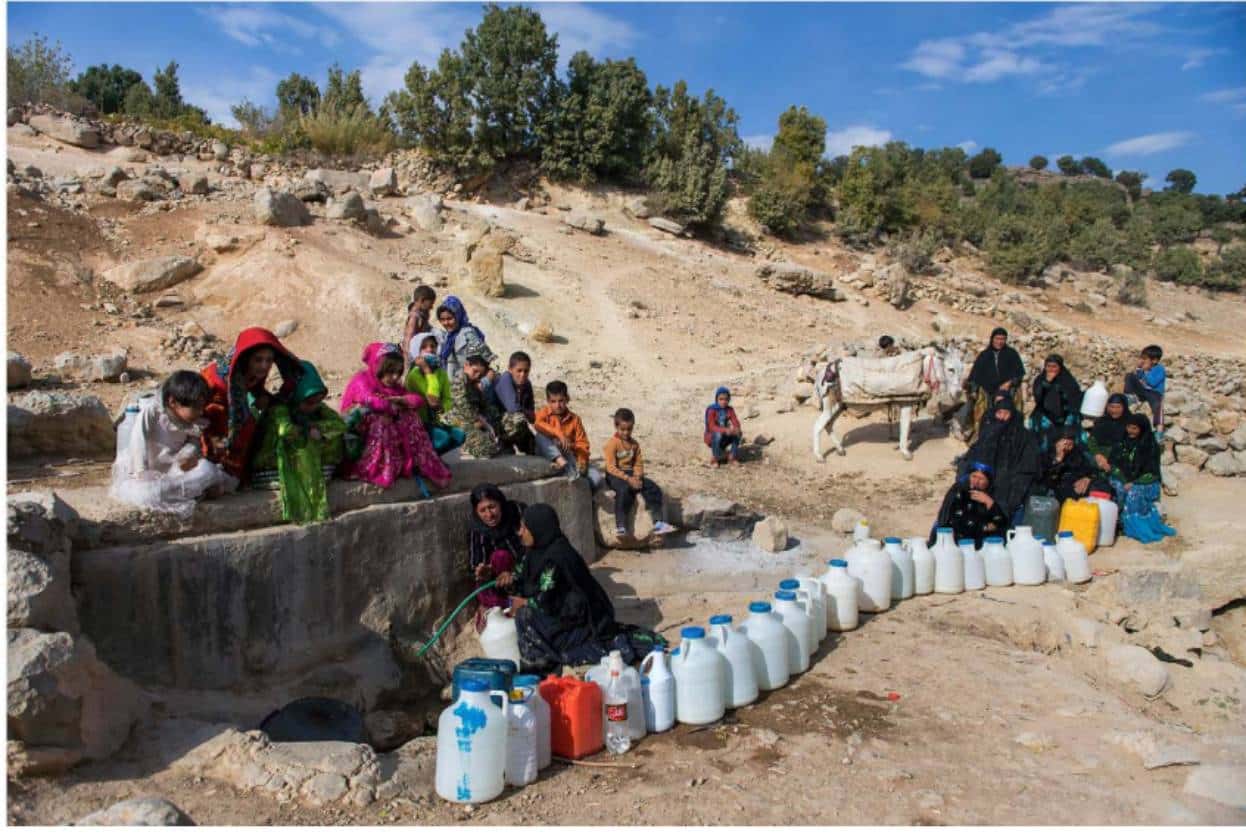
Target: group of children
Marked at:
208, 432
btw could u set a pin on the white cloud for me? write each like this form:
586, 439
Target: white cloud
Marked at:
846, 139
762, 141
967, 146
1150, 143
258, 85
996, 65
1221, 97
264, 26
939, 59
583, 27
1196, 58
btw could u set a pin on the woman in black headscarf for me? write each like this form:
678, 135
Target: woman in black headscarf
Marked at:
1057, 400
969, 508
493, 544
998, 368
1136, 479
563, 615
1108, 430
1011, 451
1068, 469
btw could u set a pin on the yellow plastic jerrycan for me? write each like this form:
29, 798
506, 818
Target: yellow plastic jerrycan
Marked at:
1081, 517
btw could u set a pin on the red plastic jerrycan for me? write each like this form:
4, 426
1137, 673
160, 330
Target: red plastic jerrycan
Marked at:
575, 711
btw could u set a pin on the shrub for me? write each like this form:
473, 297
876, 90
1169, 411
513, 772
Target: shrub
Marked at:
346, 132
1038, 162
1096, 247
1229, 271
916, 252
39, 72
1180, 265
694, 140
982, 164
782, 200
1181, 181
1068, 165
1095, 166
1132, 291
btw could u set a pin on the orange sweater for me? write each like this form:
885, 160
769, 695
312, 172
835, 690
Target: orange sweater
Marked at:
568, 428
621, 457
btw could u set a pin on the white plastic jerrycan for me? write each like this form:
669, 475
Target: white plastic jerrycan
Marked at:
949, 563
700, 671
765, 630
1108, 513
870, 563
811, 608
1076, 562
471, 745
544, 754
1026, 552
817, 598
923, 566
600, 675
842, 594
500, 638
795, 616
737, 649
997, 562
658, 688
975, 568
1095, 400
522, 756
1053, 560
902, 569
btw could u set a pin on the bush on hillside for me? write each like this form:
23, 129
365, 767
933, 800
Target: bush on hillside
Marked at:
694, 140
39, 72
1038, 162
1180, 265
1229, 271
782, 200
106, 87
1175, 218
982, 164
1068, 165
355, 131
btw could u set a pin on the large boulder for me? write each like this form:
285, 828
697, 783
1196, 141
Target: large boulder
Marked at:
106, 367
41, 528
667, 226
1224, 464
1190, 455
66, 129
486, 266
17, 371
1136, 667
383, 182
60, 695
770, 534
791, 278
349, 207
338, 181
589, 223
280, 209
143, 189
425, 210
153, 274
43, 422
193, 184
141, 811
1237, 440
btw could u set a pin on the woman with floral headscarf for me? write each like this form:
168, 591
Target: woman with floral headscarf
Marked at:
722, 428
384, 418
237, 397
459, 338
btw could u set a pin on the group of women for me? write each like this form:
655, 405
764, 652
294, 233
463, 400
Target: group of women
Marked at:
1053, 454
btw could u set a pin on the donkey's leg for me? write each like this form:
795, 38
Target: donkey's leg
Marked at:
830, 429
820, 424
906, 423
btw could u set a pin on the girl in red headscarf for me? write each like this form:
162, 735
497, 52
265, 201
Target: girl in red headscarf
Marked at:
236, 392
380, 411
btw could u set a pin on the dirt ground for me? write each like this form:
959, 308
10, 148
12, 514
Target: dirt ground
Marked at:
994, 722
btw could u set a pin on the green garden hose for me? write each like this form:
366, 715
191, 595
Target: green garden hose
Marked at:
445, 624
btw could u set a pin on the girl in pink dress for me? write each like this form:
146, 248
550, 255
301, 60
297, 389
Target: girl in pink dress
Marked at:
384, 415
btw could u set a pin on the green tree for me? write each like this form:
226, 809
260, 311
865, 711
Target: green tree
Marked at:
38, 72
298, 94
1181, 181
254, 120
1132, 181
510, 61
433, 111
982, 164
1095, 166
1175, 218
782, 200
1068, 165
1097, 246
599, 125
1229, 271
1179, 264
801, 137
106, 86
167, 100
694, 140
139, 101
1038, 162
343, 92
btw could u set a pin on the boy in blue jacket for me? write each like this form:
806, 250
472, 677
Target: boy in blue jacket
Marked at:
1147, 382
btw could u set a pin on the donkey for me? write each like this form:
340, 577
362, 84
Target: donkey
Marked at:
942, 371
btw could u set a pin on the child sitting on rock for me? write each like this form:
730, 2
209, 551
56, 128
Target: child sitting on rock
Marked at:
159, 463
1147, 384
560, 433
471, 411
419, 314
300, 448
512, 394
429, 379
625, 474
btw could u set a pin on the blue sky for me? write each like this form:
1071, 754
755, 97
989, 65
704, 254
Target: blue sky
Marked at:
1149, 87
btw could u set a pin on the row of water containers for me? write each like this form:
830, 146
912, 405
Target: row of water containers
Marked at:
483, 744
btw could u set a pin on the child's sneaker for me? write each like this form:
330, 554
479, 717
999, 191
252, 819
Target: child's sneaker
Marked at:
620, 531
662, 528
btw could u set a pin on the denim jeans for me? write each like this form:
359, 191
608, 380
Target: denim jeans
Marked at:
719, 440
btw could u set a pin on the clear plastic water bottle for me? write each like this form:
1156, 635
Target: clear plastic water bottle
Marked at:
618, 739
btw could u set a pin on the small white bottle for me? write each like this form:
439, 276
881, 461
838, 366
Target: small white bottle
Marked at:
618, 737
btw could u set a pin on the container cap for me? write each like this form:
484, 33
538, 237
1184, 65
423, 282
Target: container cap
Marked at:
891, 539
473, 685
786, 596
759, 607
526, 680
644, 680
965, 541
993, 539
720, 619
837, 563
1047, 542
789, 585
692, 633
1101, 494
943, 529
1066, 533
132, 408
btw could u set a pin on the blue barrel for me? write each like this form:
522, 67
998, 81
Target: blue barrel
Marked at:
499, 674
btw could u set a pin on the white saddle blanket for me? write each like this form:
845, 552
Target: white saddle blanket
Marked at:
878, 379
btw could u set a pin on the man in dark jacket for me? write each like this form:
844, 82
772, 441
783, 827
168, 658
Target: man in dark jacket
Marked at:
969, 508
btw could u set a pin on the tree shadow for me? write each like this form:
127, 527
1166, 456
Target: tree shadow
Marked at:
518, 291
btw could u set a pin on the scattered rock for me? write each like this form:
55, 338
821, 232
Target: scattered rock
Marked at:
543, 332
581, 220
220, 151
142, 811
1224, 464
1035, 741
139, 190
1135, 666
1237, 441
280, 209
845, 519
66, 129
38, 592
58, 423
285, 328
194, 184
349, 206
770, 534
791, 278
638, 207
1225, 784
17, 372
425, 210
311, 192
1190, 455
486, 266
383, 182
153, 274
340, 181
41, 762
106, 367
666, 226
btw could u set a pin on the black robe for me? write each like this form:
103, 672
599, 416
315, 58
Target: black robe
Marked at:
968, 518
1137, 460
1058, 477
1057, 399
1012, 453
568, 619
991, 369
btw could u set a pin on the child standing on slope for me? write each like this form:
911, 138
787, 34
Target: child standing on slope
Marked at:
625, 474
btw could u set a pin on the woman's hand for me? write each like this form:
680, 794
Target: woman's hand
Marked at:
517, 602
505, 579
433, 402
483, 572
982, 498
1102, 462
1082, 485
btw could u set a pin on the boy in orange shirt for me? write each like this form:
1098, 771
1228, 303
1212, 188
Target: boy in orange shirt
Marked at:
560, 434
625, 473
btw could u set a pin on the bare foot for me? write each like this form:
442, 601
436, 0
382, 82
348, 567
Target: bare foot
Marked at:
714, 462
561, 462
734, 461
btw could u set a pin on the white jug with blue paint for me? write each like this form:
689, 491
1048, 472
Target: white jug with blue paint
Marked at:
902, 569
700, 671
811, 608
975, 568
842, 593
795, 616
772, 664
657, 685
471, 745
923, 566
741, 683
540, 707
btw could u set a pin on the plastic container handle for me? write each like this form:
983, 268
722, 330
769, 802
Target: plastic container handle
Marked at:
720, 634
684, 646
506, 701
1009, 535
808, 601
646, 663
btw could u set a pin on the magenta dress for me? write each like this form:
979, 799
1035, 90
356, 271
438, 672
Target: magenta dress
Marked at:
396, 444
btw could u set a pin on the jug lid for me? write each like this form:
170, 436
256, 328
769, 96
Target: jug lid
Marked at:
943, 529
720, 619
644, 680
692, 633
759, 607
789, 585
993, 539
519, 696
473, 685
526, 680
891, 539
786, 596
961, 542
1066, 533
1047, 542
1101, 495
837, 563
